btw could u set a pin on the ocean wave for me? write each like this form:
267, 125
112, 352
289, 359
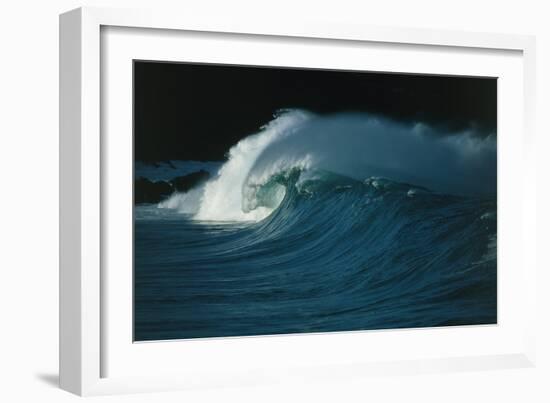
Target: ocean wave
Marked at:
335, 253
250, 185
324, 224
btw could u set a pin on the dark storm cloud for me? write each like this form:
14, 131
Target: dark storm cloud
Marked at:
196, 112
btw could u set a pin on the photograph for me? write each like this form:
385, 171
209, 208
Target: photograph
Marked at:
276, 200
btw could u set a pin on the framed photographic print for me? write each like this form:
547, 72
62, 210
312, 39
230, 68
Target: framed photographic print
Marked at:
277, 200
243, 202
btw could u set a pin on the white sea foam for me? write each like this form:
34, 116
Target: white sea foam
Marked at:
222, 199
184, 202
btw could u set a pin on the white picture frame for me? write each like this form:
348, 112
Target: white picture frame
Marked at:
89, 338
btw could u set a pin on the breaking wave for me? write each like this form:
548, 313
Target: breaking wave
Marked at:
253, 181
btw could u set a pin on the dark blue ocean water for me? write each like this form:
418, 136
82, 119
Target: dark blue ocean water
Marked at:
335, 255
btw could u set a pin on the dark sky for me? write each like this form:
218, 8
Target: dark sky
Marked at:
198, 111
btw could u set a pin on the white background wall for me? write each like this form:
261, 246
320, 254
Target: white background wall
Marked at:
29, 199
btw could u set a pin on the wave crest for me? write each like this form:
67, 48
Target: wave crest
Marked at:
253, 181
